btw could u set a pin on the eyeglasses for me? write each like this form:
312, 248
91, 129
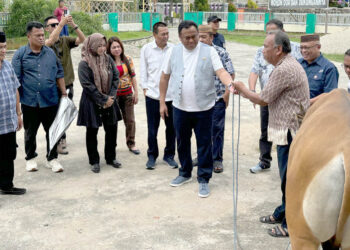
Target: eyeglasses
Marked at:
307, 48
53, 25
345, 66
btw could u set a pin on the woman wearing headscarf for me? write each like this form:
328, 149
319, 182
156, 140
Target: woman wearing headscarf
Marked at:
99, 79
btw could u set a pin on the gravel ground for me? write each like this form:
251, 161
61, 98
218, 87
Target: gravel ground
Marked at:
132, 208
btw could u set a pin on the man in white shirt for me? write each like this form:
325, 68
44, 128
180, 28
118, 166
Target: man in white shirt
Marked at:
189, 70
152, 58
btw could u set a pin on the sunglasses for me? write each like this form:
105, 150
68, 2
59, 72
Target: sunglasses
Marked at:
53, 25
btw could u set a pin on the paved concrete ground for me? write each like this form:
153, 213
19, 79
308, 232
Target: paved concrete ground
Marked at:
133, 208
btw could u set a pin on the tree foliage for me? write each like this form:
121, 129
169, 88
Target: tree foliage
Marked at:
252, 5
24, 11
201, 5
232, 7
88, 24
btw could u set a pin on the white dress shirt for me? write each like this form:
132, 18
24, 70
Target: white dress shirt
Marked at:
190, 59
152, 58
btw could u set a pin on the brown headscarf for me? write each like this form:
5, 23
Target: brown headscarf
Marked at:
98, 64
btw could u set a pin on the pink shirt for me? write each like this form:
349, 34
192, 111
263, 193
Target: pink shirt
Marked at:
59, 13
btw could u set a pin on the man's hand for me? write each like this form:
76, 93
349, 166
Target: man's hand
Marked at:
163, 109
70, 21
20, 122
65, 20
109, 102
135, 98
144, 92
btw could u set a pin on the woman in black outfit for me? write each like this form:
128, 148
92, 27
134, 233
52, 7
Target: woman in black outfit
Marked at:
99, 79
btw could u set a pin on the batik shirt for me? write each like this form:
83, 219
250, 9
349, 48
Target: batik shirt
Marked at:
227, 63
264, 69
8, 97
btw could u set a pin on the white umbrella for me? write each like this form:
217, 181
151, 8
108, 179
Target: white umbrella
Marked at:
65, 115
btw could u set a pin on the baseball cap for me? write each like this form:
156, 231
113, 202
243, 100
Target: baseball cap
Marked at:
213, 18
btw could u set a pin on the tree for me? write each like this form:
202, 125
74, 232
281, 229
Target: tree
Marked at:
252, 5
232, 7
201, 5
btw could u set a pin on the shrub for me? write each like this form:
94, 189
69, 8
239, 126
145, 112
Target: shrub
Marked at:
201, 5
88, 24
24, 11
232, 7
252, 5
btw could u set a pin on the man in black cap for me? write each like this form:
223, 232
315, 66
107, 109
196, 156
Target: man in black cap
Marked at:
219, 39
10, 121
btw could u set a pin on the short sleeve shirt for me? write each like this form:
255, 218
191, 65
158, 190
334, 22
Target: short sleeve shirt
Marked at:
219, 40
287, 94
62, 50
8, 97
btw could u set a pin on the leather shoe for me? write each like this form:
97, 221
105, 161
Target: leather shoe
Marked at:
114, 163
95, 168
135, 151
13, 191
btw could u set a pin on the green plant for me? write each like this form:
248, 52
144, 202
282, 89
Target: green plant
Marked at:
24, 11
232, 7
88, 24
201, 5
191, 7
2, 5
252, 5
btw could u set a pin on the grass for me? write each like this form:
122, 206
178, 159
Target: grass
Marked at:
16, 42
256, 38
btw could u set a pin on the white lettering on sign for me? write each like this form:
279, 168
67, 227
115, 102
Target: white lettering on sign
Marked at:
289, 4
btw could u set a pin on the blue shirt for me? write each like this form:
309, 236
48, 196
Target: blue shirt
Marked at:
219, 40
322, 75
37, 74
8, 86
227, 63
263, 69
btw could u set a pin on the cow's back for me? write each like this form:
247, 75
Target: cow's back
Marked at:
317, 180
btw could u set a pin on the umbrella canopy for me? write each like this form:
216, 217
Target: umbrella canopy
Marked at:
64, 117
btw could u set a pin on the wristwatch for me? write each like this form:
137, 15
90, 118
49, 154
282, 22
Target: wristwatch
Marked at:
76, 27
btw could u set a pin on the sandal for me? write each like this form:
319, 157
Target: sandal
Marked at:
218, 167
278, 231
269, 219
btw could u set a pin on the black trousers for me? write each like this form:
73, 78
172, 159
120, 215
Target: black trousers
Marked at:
110, 143
32, 118
153, 120
201, 124
7, 156
264, 145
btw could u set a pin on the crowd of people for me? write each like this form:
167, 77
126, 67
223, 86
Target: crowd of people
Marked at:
187, 85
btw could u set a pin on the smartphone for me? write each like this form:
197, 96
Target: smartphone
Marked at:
66, 12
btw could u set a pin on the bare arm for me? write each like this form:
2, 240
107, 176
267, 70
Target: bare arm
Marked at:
55, 35
253, 77
163, 87
239, 87
18, 111
224, 76
226, 95
81, 37
62, 86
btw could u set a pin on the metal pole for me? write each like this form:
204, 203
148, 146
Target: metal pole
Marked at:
326, 23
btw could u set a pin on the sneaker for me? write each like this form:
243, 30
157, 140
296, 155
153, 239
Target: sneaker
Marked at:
55, 166
171, 162
203, 190
151, 163
178, 181
218, 167
31, 165
61, 149
195, 162
258, 168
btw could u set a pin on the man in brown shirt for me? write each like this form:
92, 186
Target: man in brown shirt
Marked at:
62, 46
287, 94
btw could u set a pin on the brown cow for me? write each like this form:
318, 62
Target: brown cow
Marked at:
318, 178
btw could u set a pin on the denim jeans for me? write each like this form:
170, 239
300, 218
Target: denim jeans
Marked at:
153, 120
201, 123
264, 145
219, 112
282, 157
